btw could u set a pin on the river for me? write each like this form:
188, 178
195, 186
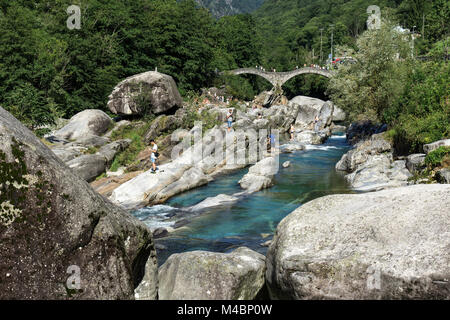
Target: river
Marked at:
253, 220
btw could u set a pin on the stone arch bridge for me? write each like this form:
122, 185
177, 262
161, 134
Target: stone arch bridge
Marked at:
278, 79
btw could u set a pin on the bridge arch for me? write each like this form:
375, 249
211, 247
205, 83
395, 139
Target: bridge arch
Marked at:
278, 79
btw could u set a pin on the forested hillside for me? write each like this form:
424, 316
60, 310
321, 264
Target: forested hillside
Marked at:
48, 71
220, 8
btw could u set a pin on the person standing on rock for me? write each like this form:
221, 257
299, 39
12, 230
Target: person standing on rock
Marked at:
316, 123
154, 155
230, 119
292, 130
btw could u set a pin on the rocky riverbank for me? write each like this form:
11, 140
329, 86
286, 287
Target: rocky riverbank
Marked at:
372, 164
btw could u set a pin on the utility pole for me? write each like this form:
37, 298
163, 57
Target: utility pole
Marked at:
423, 25
321, 56
412, 43
332, 38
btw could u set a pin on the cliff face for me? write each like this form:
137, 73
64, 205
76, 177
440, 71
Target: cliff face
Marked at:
220, 8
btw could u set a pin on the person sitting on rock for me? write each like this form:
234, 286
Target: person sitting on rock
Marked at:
154, 155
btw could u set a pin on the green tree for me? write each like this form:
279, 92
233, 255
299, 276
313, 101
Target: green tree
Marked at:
369, 86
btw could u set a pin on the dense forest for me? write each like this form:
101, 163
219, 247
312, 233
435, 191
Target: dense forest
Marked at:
49, 71
220, 8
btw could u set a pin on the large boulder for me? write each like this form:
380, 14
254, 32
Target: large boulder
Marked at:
201, 275
260, 175
371, 166
391, 244
312, 137
309, 109
86, 123
339, 114
375, 145
363, 130
145, 93
52, 223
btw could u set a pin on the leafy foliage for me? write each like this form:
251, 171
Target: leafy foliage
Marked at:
436, 158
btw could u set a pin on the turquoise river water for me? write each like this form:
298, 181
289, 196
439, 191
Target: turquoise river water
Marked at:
253, 220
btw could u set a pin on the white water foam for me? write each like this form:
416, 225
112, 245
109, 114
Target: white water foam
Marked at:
156, 216
320, 147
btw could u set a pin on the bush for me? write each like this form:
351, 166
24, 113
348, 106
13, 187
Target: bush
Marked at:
134, 132
437, 157
421, 114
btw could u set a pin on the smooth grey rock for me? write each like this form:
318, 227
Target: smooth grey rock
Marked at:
91, 140
88, 167
148, 287
371, 166
66, 154
415, 162
338, 114
286, 164
85, 123
443, 175
160, 233
292, 146
117, 126
201, 275
391, 244
112, 149
338, 129
363, 130
51, 220
162, 124
363, 151
260, 175
309, 137
213, 202
157, 91
435, 145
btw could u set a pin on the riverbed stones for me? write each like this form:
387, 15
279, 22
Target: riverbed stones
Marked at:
391, 244
201, 275
145, 93
51, 221
86, 123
